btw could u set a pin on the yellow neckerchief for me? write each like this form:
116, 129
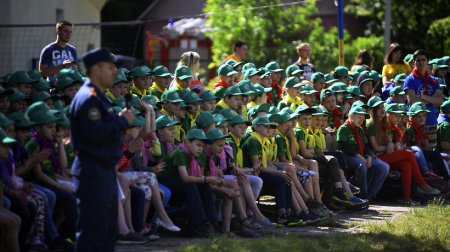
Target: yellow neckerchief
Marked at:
251, 105
178, 86
309, 138
263, 151
244, 112
138, 92
157, 88
110, 95
239, 155
319, 139
192, 118
286, 143
222, 104
271, 148
164, 112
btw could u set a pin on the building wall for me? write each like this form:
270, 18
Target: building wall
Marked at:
20, 47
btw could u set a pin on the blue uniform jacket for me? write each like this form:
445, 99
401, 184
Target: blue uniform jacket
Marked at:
96, 130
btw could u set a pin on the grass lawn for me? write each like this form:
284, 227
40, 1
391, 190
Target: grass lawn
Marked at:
423, 229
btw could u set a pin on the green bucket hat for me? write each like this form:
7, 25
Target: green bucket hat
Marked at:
342, 71
226, 69
189, 97
325, 93
400, 77
233, 91
71, 73
239, 119
20, 77
140, 71
358, 110
261, 90
65, 81
6, 91
17, 96
40, 83
161, 71
41, 114
317, 76
408, 58
258, 108
446, 106
43, 96
274, 67
228, 113
183, 73
61, 117
138, 121
5, 121
398, 90
304, 109
6, 139
196, 134
359, 103
417, 108
247, 66
393, 108
374, 101
354, 91
21, 120
319, 111
263, 120
171, 96
207, 95
215, 134
292, 82
204, 119
293, 70
338, 87
307, 89
246, 87
165, 121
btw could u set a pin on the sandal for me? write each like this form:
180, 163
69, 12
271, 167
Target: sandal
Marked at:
248, 223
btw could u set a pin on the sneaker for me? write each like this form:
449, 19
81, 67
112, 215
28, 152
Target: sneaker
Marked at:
282, 219
354, 189
313, 205
434, 192
267, 223
343, 199
131, 238
307, 217
357, 200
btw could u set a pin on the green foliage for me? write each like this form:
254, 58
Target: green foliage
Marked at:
269, 31
373, 44
440, 31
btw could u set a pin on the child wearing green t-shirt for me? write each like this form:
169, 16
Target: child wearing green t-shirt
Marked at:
444, 132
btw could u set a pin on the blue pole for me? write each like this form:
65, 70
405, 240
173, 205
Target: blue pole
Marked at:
341, 31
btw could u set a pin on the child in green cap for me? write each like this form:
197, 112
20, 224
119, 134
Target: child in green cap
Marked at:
208, 102
444, 131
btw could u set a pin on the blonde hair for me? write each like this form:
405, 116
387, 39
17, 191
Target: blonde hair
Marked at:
189, 59
301, 45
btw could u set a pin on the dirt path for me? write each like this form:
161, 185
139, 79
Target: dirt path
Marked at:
342, 223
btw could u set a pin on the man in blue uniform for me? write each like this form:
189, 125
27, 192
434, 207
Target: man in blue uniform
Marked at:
96, 138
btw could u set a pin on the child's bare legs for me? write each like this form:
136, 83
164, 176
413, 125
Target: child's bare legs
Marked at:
157, 202
11, 224
246, 191
344, 183
122, 227
227, 209
298, 204
313, 166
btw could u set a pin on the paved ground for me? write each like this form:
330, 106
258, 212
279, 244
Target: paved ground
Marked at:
376, 213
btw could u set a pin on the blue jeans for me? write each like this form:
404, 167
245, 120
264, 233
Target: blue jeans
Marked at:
50, 202
167, 194
369, 180
256, 184
421, 161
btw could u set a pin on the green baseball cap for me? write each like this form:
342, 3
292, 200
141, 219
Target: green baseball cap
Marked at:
196, 134
233, 91
5, 121
219, 92
233, 63
6, 139
408, 58
398, 90
65, 81
120, 78
307, 89
329, 78
292, 82
189, 97
417, 108
363, 78
358, 110
20, 77
204, 119
17, 96
21, 120
446, 106
354, 91
251, 72
71, 73
293, 70
374, 75
165, 121
239, 119
120, 102
261, 90
171, 96
338, 87
264, 72
183, 73
325, 93
215, 134
151, 99
43, 96
140, 71
403, 108
246, 87
273, 110
138, 121
247, 66
274, 67
226, 69
228, 113
39, 113
207, 95
304, 109
263, 120
360, 103
40, 83
342, 71
360, 69
258, 108
393, 108
161, 71
283, 116
320, 111
374, 101
400, 77
219, 119
317, 76
440, 63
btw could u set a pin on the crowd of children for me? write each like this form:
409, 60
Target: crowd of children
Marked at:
318, 143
